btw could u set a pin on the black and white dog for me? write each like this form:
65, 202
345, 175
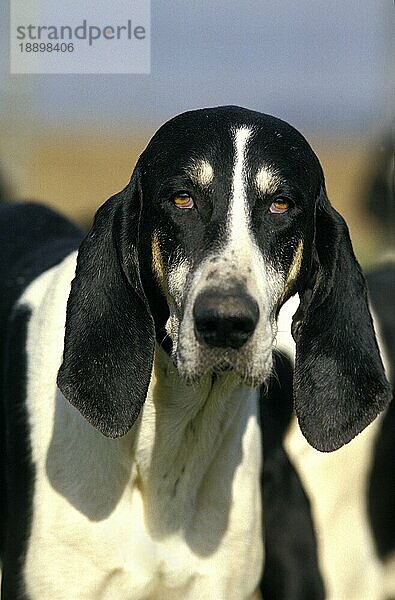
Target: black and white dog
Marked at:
133, 445
352, 497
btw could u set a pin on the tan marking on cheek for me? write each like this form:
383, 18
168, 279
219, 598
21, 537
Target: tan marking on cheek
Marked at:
294, 269
158, 266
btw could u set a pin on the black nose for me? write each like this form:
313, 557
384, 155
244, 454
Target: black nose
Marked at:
225, 320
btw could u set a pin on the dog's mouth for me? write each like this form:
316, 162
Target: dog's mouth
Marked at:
251, 371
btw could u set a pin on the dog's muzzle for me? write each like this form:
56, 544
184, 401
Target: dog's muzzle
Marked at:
224, 319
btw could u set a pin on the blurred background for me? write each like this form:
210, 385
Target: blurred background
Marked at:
71, 141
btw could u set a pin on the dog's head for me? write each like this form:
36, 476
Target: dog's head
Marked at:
225, 217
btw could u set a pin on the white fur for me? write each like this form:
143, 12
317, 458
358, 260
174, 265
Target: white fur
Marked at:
336, 484
389, 577
176, 285
238, 230
171, 510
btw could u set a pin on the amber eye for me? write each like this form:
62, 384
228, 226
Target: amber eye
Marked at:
183, 200
281, 205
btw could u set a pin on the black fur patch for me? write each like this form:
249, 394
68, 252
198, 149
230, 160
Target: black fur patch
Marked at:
291, 567
339, 382
18, 481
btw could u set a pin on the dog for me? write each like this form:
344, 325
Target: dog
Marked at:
133, 362
350, 493
381, 489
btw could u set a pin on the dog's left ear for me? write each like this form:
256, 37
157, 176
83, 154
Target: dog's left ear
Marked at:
109, 337
339, 380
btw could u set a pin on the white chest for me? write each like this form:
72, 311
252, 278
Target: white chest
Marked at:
165, 512
92, 536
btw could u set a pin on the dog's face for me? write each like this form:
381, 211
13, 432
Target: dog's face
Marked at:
226, 233
224, 218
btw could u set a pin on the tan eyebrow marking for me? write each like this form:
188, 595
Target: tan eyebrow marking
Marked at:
201, 172
266, 180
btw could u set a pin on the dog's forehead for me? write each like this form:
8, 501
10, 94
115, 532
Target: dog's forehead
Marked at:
204, 143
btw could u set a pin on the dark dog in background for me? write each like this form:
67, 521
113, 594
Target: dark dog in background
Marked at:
380, 202
146, 483
381, 495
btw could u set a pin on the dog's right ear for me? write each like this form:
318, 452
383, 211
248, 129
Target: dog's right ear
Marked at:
339, 383
109, 339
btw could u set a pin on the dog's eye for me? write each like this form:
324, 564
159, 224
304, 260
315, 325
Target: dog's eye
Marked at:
183, 200
281, 205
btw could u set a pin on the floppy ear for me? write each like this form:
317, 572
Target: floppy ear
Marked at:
339, 380
109, 337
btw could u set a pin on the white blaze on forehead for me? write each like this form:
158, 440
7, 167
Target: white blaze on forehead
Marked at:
202, 172
238, 216
266, 180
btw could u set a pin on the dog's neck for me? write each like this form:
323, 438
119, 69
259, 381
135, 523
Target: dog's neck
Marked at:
189, 445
